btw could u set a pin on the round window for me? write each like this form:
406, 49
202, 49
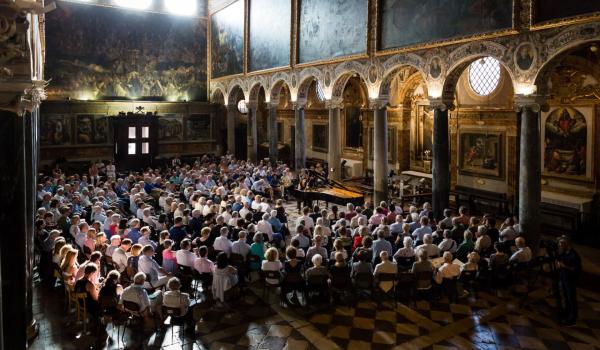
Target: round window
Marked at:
484, 75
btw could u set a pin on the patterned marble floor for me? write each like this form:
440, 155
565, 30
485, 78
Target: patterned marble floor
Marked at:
490, 320
485, 322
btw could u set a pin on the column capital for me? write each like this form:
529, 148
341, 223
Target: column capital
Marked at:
533, 102
376, 103
252, 105
441, 104
29, 99
300, 104
334, 103
273, 104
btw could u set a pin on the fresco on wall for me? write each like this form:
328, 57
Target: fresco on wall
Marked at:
548, 10
227, 40
566, 141
55, 129
320, 137
481, 154
270, 26
411, 22
197, 127
330, 29
91, 129
170, 127
96, 52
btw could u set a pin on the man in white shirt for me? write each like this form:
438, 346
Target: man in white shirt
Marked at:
308, 221
432, 250
385, 266
523, 253
184, 256
81, 236
147, 265
223, 243
240, 246
448, 269
264, 226
136, 293
245, 210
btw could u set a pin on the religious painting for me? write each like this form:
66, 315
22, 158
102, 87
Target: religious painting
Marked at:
170, 127
421, 137
525, 55
552, 10
481, 154
270, 31
98, 52
435, 68
197, 127
227, 40
55, 129
354, 136
567, 141
332, 29
320, 137
411, 22
91, 129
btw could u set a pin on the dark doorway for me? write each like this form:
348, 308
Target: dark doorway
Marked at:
135, 141
241, 141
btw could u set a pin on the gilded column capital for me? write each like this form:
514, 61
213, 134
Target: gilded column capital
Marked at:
376, 103
533, 102
300, 104
334, 103
441, 104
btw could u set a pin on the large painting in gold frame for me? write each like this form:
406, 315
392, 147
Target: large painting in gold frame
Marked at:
567, 142
227, 40
481, 153
553, 13
269, 34
328, 30
413, 24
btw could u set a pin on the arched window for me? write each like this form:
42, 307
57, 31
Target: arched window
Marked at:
484, 75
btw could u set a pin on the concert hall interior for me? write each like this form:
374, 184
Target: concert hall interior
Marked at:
300, 174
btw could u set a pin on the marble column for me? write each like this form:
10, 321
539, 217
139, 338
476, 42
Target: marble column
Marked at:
17, 205
441, 160
273, 133
380, 152
334, 151
300, 137
530, 172
252, 135
231, 116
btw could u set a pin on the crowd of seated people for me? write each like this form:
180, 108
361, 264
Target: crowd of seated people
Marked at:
146, 238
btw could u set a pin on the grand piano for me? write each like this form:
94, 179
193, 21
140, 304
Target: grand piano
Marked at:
330, 191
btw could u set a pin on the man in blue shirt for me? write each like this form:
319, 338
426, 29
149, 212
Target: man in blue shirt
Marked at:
134, 231
379, 245
177, 232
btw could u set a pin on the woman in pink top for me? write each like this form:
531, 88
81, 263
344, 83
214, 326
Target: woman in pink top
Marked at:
169, 259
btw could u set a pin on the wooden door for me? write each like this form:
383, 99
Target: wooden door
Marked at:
135, 142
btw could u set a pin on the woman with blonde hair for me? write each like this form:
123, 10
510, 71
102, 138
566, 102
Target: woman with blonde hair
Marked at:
58, 245
69, 266
271, 263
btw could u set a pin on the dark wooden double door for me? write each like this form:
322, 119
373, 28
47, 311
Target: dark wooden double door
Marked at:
135, 142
